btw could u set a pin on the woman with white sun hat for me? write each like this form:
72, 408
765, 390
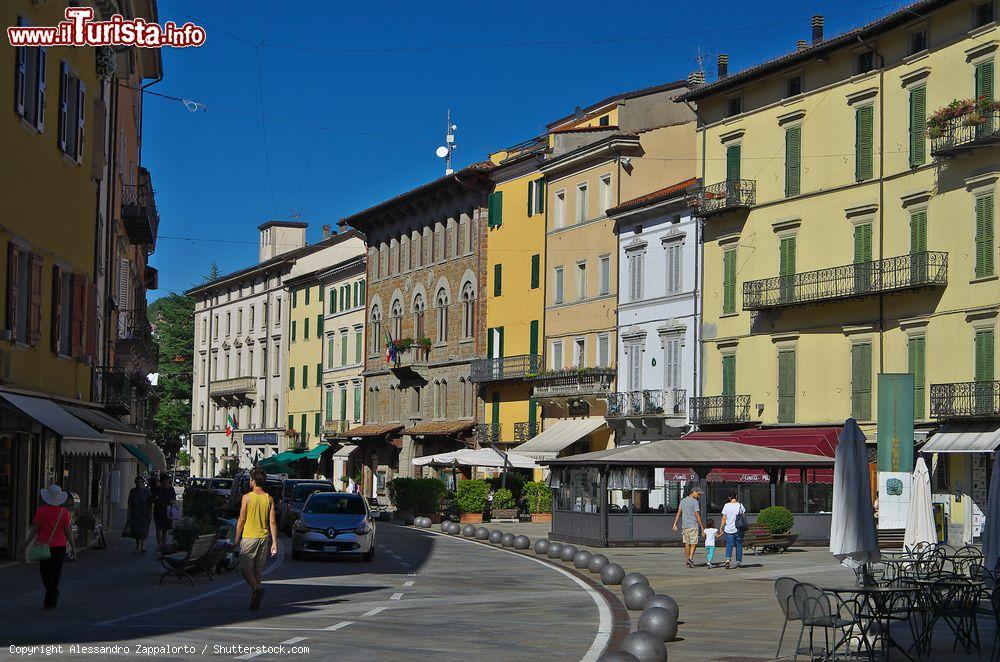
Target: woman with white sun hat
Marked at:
50, 533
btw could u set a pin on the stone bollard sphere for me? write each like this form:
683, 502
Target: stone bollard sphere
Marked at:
455, 528
659, 622
612, 574
617, 656
555, 549
542, 546
636, 596
645, 647
482, 533
444, 525
664, 602
521, 542
428, 523
634, 578
408, 520
582, 559
568, 553
507, 540
597, 563
495, 536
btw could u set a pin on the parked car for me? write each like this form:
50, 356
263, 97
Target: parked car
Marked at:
197, 482
334, 523
221, 486
241, 485
288, 486
292, 503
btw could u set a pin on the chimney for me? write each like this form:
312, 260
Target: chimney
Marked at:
696, 78
326, 230
723, 66
817, 25
801, 45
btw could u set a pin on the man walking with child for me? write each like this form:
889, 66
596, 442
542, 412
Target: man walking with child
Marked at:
689, 514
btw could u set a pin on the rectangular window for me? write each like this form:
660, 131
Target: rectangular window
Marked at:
305, 329
329, 404
302, 431
786, 386
560, 211
581, 281
316, 424
918, 126
729, 374
604, 262
343, 347
918, 42
603, 350
558, 285
916, 365
984, 367
984, 13
675, 266
581, 202
357, 403
305, 376
786, 268
863, 142
636, 262
861, 381
605, 191
72, 107
580, 352
734, 154
793, 86
633, 366
793, 160
497, 280
295, 298
319, 374
729, 281
672, 362
307, 294
918, 231
735, 106
29, 83
557, 355
984, 236
330, 351
536, 261
494, 204
319, 325
536, 196
358, 339
865, 62
291, 422
291, 378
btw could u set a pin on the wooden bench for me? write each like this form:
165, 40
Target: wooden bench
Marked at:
759, 537
200, 559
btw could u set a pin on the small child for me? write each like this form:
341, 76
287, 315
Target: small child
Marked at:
710, 532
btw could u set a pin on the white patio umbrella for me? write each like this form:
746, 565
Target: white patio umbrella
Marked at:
920, 517
852, 527
483, 457
440, 459
991, 534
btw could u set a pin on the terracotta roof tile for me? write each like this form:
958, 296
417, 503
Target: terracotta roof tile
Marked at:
372, 430
583, 129
654, 197
439, 428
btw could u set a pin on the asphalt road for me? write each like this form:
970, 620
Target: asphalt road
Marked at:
424, 596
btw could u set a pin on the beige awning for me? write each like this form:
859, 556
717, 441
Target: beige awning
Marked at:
964, 438
345, 451
558, 436
697, 453
54, 417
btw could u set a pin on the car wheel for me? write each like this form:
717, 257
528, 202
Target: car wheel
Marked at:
296, 555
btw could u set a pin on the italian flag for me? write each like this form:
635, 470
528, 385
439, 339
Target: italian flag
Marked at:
230, 425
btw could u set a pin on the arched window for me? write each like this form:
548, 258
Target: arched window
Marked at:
468, 310
397, 320
461, 395
419, 328
442, 315
443, 399
376, 341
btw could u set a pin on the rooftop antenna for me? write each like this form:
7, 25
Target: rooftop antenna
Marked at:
700, 58
294, 214
448, 148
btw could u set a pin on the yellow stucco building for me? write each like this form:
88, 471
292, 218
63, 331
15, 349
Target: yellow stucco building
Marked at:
845, 237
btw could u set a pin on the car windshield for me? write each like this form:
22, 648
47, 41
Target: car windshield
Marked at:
302, 492
222, 483
335, 504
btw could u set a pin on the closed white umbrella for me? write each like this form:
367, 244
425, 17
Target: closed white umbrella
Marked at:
991, 534
487, 457
920, 517
853, 539
439, 459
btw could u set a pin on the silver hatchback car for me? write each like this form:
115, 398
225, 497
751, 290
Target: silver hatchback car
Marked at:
334, 523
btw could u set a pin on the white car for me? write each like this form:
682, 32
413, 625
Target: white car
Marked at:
334, 523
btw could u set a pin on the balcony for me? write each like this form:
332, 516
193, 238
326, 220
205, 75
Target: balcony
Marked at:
335, 428
730, 195
573, 382
720, 409
487, 434
647, 404
235, 390
851, 281
124, 392
407, 360
507, 368
966, 132
139, 213
966, 400
135, 338
526, 430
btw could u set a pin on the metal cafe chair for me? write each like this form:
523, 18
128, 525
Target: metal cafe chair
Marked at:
956, 602
783, 589
995, 600
819, 609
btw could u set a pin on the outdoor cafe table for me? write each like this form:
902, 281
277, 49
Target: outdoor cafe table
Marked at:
878, 600
958, 583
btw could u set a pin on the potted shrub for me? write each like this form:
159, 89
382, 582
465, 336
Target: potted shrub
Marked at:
504, 506
539, 497
427, 495
471, 497
779, 521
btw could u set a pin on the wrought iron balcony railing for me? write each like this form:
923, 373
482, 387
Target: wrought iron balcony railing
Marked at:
966, 132
139, 213
526, 430
122, 391
647, 403
487, 434
507, 368
135, 335
851, 281
573, 382
723, 196
719, 409
966, 400
233, 386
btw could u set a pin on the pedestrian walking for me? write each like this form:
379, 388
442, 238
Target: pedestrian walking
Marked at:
140, 511
689, 513
256, 535
163, 503
734, 525
51, 532
710, 533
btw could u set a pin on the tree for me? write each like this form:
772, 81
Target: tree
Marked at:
213, 273
174, 324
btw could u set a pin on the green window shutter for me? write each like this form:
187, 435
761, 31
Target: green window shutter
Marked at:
918, 126
305, 376
984, 236
733, 163
729, 374
295, 298
786, 386
291, 379
533, 338
495, 409
329, 404
357, 403
729, 282
305, 426
305, 329
291, 422
497, 280
862, 243
319, 374
786, 266
332, 305
984, 355
293, 330
918, 231
319, 325
863, 119
984, 80
540, 195
536, 270
861, 381
495, 209
531, 198
307, 295
793, 160
500, 341
916, 356
357, 347
343, 404
316, 425
489, 343
362, 294
343, 349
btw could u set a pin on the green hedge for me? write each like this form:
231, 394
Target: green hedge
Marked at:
471, 495
503, 499
515, 483
778, 519
419, 495
539, 497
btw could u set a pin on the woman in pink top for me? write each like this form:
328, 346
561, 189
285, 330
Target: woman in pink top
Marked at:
52, 526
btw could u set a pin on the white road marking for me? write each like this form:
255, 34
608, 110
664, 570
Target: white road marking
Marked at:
294, 640
342, 624
396, 596
408, 584
376, 610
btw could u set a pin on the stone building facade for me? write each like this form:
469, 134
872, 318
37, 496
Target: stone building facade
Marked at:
425, 269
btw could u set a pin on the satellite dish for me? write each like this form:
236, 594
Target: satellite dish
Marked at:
441, 151
578, 113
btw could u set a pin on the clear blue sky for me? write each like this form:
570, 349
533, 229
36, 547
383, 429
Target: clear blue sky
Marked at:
358, 121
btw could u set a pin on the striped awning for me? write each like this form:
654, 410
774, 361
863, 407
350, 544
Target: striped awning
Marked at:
94, 448
558, 436
964, 438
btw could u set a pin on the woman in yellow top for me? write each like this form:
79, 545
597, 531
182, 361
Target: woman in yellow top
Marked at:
256, 534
